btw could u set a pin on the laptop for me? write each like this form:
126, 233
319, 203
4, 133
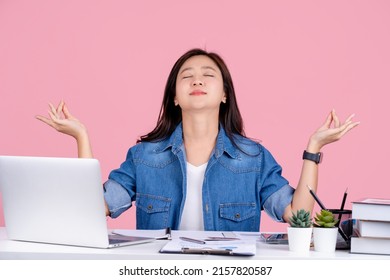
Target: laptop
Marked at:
57, 201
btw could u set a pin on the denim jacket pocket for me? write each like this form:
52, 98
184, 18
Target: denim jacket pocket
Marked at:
152, 211
237, 216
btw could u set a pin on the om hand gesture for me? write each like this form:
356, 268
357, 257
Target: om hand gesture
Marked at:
327, 133
61, 120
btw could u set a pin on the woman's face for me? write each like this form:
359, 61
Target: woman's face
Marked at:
199, 85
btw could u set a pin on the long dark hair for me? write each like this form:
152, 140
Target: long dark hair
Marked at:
170, 115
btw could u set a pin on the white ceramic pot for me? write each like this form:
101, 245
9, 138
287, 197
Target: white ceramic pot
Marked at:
299, 239
325, 239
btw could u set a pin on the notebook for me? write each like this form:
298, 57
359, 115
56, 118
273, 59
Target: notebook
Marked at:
58, 201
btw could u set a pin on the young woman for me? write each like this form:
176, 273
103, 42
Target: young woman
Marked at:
196, 170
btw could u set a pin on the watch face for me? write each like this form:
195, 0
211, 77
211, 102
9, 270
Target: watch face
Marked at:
319, 157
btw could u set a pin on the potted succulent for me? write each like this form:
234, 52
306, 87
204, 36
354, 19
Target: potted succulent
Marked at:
325, 232
299, 231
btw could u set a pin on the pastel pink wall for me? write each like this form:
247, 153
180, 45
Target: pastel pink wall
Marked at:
291, 61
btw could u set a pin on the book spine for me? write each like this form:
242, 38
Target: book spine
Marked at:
372, 212
367, 228
367, 245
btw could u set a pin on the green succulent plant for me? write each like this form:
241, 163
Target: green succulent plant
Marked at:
301, 219
325, 219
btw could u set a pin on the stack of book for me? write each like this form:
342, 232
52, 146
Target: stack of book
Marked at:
372, 228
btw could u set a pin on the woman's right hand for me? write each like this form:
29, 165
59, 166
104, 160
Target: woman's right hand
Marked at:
61, 120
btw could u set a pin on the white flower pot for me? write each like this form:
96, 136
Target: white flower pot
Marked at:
325, 239
299, 239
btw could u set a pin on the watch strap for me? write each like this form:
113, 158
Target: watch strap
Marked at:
316, 157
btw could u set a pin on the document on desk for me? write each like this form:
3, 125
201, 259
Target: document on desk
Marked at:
235, 247
211, 242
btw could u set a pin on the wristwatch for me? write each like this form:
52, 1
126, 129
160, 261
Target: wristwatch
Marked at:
317, 157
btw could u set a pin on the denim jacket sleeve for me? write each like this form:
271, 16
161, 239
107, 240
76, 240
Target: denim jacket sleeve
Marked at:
119, 189
275, 193
275, 205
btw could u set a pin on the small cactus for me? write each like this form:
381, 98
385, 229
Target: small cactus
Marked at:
325, 219
301, 219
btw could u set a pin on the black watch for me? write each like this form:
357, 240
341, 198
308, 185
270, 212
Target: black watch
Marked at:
317, 157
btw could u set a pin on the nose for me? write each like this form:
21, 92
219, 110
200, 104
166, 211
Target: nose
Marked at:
197, 82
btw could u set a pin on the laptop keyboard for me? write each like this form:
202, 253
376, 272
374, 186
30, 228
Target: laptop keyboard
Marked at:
116, 241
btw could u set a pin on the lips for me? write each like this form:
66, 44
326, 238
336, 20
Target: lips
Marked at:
198, 92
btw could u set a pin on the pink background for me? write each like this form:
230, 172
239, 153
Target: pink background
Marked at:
291, 61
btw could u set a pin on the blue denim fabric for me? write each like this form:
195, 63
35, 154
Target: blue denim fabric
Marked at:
236, 187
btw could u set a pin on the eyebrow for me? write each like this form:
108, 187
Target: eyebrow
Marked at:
203, 67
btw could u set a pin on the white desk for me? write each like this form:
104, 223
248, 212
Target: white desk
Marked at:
15, 250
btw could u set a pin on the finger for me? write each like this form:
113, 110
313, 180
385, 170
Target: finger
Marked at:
344, 126
336, 132
350, 117
57, 123
66, 112
45, 120
53, 111
351, 125
59, 108
335, 118
348, 128
54, 117
329, 120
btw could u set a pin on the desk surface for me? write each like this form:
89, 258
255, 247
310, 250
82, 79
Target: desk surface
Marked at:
13, 250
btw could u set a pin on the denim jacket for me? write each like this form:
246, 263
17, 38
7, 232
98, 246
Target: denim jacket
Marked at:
238, 184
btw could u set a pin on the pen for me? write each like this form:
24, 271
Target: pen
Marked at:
213, 238
316, 197
344, 199
192, 240
343, 235
207, 251
323, 207
342, 205
341, 214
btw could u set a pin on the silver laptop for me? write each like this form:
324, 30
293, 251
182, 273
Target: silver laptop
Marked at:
56, 200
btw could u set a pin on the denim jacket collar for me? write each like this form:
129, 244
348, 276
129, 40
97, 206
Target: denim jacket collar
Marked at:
175, 141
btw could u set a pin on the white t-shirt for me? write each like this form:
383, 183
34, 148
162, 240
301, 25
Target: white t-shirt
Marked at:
192, 216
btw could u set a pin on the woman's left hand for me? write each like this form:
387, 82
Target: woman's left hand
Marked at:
327, 134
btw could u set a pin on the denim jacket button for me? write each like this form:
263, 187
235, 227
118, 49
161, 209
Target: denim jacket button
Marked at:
150, 207
237, 215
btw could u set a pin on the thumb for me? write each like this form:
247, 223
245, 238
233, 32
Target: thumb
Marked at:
329, 120
66, 112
